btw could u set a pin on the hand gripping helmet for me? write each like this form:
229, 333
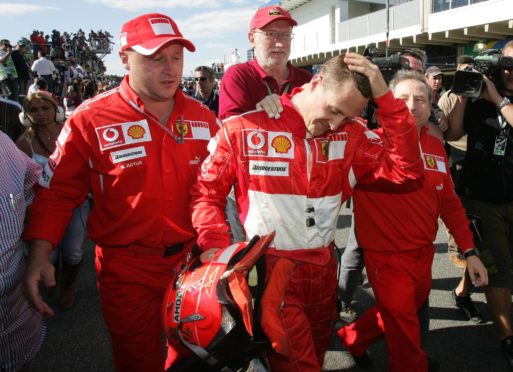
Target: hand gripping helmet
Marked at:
209, 309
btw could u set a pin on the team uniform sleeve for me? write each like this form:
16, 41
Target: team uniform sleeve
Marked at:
395, 155
454, 215
234, 98
210, 191
65, 187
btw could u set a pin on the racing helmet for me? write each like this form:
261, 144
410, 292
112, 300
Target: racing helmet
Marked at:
208, 311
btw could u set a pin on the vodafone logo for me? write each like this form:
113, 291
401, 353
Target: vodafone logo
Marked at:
110, 135
256, 140
122, 134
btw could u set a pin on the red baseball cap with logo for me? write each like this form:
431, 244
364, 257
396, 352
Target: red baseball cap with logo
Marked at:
148, 33
269, 14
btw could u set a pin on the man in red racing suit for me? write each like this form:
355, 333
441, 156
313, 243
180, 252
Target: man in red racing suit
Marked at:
138, 148
396, 226
292, 175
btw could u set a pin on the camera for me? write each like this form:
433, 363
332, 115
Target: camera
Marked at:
387, 65
469, 82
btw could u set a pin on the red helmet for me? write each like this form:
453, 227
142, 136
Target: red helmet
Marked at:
209, 309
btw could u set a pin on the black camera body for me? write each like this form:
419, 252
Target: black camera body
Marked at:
387, 65
469, 82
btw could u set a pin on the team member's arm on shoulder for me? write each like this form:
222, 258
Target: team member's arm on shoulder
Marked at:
272, 106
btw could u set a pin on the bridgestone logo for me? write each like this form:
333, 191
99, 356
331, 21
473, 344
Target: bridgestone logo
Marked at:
267, 168
178, 305
121, 156
128, 154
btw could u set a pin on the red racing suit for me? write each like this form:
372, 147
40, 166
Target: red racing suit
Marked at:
295, 184
140, 177
396, 226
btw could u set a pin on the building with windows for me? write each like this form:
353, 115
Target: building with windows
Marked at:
444, 29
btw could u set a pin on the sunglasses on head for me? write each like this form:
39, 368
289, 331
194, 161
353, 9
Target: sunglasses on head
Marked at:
203, 78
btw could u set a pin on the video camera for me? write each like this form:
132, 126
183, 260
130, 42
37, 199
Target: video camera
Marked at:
469, 82
387, 65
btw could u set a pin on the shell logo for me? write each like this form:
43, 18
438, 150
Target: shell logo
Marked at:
136, 131
281, 144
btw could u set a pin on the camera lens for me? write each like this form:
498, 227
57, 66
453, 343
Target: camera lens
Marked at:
473, 84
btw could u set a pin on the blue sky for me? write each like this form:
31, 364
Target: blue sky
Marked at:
216, 27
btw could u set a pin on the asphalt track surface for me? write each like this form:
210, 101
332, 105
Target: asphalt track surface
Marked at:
78, 341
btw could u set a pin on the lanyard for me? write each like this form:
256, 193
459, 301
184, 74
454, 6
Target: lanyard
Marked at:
269, 92
178, 139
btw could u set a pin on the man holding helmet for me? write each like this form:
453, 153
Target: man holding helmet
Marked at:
292, 175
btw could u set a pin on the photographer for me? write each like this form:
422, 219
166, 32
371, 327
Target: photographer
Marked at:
486, 186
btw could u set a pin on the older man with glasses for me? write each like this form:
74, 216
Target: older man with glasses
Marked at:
246, 84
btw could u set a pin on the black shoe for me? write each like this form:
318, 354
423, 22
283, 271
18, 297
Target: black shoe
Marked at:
467, 306
507, 349
364, 361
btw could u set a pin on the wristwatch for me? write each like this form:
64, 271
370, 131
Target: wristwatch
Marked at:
505, 101
470, 252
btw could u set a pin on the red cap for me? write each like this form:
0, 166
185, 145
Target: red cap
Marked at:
269, 14
148, 33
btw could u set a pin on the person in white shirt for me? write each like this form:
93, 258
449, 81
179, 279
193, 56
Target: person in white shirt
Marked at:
44, 68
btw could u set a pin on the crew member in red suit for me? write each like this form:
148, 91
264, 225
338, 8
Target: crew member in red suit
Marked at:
396, 226
138, 148
291, 175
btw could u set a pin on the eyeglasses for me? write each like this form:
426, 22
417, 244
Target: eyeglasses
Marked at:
203, 78
276, 35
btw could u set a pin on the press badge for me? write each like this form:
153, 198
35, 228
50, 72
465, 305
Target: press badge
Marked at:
500, 145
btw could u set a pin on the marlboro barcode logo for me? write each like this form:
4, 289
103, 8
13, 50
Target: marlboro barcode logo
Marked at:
161, 26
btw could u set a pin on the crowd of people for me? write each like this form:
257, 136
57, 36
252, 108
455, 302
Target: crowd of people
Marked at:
168, 176
62, 60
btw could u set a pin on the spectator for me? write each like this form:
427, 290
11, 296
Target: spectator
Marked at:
34, 40
90, 89
205, 92
22, 330
138, 149
42, 43
292, 175
43, 119
70, 101
486, 187
45, 69
434, 78
456, 151
9, 122
8, 73
22, 69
